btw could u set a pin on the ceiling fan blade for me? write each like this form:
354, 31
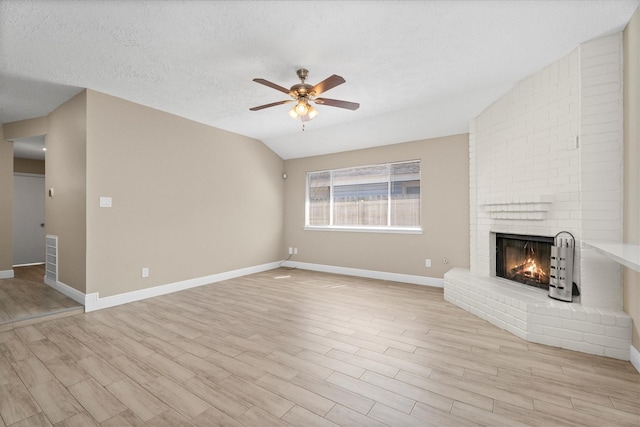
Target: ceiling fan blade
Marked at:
328, 83
272, 85
337, 103
273, 104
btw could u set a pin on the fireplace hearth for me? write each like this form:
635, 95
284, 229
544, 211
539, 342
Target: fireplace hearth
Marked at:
524, 259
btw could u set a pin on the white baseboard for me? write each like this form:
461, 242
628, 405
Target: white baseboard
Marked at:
370, 274
29, 264
93, 301
6, 274
72, 293
634, 357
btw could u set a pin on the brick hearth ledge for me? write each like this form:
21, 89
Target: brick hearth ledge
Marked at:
530, 314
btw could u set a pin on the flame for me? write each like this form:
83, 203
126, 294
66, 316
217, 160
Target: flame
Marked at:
530, 266
530, 269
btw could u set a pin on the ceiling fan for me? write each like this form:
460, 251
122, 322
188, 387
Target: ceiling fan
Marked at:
303, 93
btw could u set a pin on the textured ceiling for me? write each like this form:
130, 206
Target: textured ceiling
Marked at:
419, 69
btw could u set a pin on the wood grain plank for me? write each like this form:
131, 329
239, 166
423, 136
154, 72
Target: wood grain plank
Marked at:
32, 371
344, 416
296, 394
16, 403
139, 401
260, 397
55, 400
82, 419
221, 399
101, 404
257, 417
298, 416
37, 420
391, 416
373, 392
350, 399
176, 396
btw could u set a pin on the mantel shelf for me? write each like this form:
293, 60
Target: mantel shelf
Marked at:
522, 207
624, 253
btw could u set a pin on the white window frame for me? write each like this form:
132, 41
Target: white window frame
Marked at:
362, 229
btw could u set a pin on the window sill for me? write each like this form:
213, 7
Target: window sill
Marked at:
392, 230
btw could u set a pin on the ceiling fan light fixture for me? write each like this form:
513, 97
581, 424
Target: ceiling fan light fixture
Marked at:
302, 107
305, 117
312, 112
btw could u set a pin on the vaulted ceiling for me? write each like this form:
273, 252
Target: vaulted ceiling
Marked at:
419, 69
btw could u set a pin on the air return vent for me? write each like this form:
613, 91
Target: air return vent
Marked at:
52, 258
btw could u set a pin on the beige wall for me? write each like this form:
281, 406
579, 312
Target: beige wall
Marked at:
6, 203
25, 128
189, 200
632, 167
445, 212
28, 166
66, 174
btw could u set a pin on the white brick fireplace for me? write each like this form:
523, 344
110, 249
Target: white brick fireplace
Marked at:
547, 157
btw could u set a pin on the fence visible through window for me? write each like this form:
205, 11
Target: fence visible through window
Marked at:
375, 196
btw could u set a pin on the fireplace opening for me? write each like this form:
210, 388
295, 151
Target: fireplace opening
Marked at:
524, 259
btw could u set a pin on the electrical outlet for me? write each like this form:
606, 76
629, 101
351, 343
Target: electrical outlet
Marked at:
427, 263
145, 272
295, 251
290, 250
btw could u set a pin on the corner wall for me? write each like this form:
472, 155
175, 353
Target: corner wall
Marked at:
65, 168
444, 205
631, 214
188, 200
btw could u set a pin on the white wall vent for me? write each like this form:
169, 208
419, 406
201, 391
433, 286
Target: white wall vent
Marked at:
52, 258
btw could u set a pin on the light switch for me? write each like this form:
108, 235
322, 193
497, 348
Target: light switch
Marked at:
105, 202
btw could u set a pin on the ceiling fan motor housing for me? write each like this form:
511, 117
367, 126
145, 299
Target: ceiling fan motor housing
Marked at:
301, 90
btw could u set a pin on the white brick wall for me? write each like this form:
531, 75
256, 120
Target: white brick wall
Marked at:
523, 147
519, 146
601, 166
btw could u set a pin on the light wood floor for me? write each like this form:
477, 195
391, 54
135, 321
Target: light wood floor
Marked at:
26, 297
303, 349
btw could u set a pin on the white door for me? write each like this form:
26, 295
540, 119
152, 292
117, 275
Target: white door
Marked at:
28, 219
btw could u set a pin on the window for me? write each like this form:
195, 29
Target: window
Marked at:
377, 197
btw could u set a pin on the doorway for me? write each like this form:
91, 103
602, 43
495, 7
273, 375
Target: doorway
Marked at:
28, 219
25, 298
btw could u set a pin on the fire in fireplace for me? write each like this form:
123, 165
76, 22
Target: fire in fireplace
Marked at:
524, 259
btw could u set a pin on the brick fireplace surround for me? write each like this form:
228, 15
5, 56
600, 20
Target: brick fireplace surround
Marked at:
547, 157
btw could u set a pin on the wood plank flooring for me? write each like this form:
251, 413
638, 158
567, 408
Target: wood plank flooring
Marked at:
299, 348
25, 299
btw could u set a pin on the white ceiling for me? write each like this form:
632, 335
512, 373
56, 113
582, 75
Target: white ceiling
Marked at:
419, 69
